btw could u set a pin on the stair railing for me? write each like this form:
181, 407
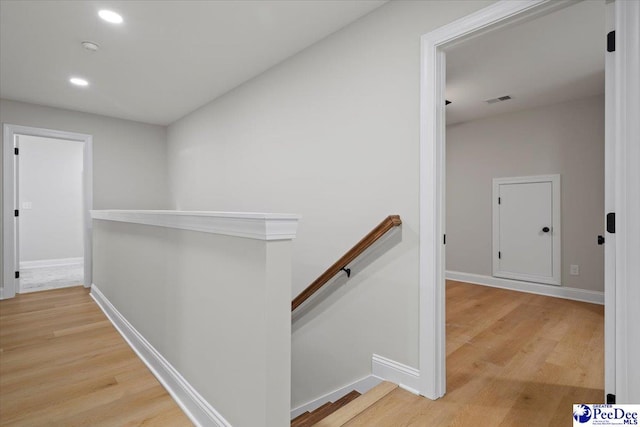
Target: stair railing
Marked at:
341, 265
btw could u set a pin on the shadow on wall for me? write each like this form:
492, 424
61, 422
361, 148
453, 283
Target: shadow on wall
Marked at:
341, 284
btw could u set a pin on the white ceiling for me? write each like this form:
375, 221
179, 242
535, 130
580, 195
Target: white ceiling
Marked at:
554, 58
167, 58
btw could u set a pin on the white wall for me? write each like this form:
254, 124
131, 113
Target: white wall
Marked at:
50, 180
214, 306
129, 158
332, 134
565, 138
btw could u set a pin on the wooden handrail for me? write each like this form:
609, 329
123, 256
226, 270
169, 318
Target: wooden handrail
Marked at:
353, 253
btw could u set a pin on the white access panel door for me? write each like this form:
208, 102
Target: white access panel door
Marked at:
527, 229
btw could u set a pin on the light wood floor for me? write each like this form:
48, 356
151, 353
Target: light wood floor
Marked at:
513, 359
63, 364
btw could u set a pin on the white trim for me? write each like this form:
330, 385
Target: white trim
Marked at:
575, 294
362, 386
627, 200
432, 174
609, 206
556, 232
432, 304
261, 226
405, 376
9, 283
195, 406
46, 263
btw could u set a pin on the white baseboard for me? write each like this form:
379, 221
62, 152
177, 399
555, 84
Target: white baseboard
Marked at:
405, 376
361, 386
45, 263
576, 294
195, 406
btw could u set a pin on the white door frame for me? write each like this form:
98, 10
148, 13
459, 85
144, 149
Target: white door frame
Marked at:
627, 202
432, 181
609, 206
556, 231
9, 235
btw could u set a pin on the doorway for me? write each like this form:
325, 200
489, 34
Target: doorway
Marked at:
55, 250
503, 220
526, 111
432, 171
49, 193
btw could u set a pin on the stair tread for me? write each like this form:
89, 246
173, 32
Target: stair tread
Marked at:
300, 420
356, 406
320, 413
349, 397
310, 418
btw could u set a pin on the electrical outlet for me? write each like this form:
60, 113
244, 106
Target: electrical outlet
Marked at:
574, 270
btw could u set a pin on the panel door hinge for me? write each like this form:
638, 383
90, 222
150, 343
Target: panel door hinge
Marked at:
444, 239
17, 274
611, 41
611, 399
16, 212
499, 200
499, 255
16, 150
611, 222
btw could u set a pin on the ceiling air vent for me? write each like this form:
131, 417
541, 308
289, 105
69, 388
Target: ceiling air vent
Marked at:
499, 99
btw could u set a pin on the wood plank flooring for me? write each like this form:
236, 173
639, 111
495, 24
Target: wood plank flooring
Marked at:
63, 364
513, 359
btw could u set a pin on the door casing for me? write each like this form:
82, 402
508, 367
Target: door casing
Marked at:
9, 183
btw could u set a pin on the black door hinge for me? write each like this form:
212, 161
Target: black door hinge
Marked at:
611, 41
499, 255
16, 212
17, 274
16, 150
499, 200
611, 399
611, 222
444, 239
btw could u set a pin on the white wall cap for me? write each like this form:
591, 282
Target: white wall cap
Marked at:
260, 226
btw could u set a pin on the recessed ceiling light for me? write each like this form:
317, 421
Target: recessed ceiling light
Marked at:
110, 16
90, 46
78, 81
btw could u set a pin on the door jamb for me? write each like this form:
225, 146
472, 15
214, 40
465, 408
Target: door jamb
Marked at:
609, 206
627, 201
10, 283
